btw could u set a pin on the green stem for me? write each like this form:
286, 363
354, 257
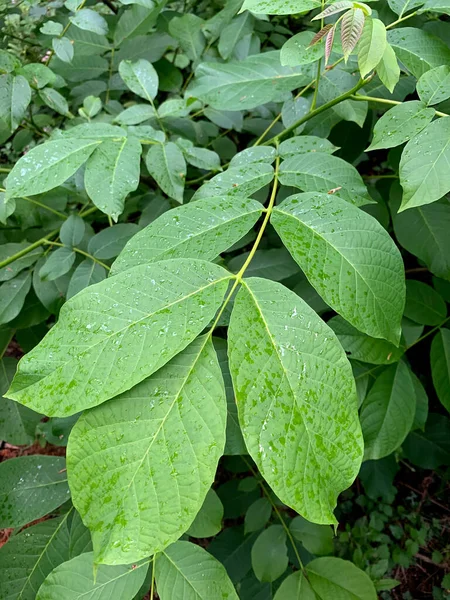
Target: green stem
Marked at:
319, 67
386, 101
63, 33
425, 335
5, 170
413, 14
152, 585
82, 252
28, 249
37, 203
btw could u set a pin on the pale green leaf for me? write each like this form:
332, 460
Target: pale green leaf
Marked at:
87, 273
440, 366
7, 207
254, 154
135, 21
238, 28
208, 521
166, 164
339, 579
317, 539
371, 45
303, 144
95, 131
163, 438
51, 292
136, 114
63, 48
434, 85
349, 258
109, 243
12, 296
77, 365
90, 21
15, 96
418, 50
441, 7
29, 556
388, 69
387, 413
76, 579
424, 172
295, 587
320, 172
32, 486
423, 304
51, 28
58, 263
112, 172
237, 181
72, 230
201, 229
296, 398
47, 166
249, 83
400, 124
187, 30
187, 571
140, 77
280, 7
400, 7
202, 158
270, 554
54, 100
299, 51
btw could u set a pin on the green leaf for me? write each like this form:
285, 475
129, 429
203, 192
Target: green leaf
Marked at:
434, 85
275, 264
79, 352
402, 6
12, 296
257, 515
248, 83
80, 537
320, 172
80, 69
400, 124
90, 20
299, 51
423, 304
95, 131
387, 413
436, 6
424, 175
421, 412
202, 158
271, 342
429, 449
47, 166
187, 30
269, 554
112, 172
29, 556
63, 48
333, 84
377, 477
388, 69
440, 366
371, 45
254, 154
166, 164
54, 100
59, 262
136, 114
339, 579
134, 22
423, 231
295, 587
50, 292
348, 257
15, 96
72, 231
140, 77
32, 486
233, 33
14, 268
184, 570
208, 521
51, 28
280, 7
359, 346
77, 580
317, 539
7, 207
351, 29
109, 243
201, 229
181, 436
418, 50
87, 273
302, 144
237, 181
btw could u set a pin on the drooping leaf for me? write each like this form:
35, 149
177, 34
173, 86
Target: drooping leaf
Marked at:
440, 366
78, 580
336, 578
141, 77
208, 521
32, 486
47, 166
80, 350
29, 556
423, 304
400, 124
279, 7
434, 85
424, 175
317, 539
57, 264
388, 69
112, 172
351, 29
320, 172
167, 166
248, 83
334, 9
202, 158
273, 338
387, 413
237, 181
269, 554
184, 570
163, 436
321, 34
329, 41
371, 45
201, 229
418, 50
15, 96
348, 257
12, 296
72, 230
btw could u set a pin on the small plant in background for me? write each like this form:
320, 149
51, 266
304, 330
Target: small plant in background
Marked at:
225, 268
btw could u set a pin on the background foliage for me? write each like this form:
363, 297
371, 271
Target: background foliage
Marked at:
224, 252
